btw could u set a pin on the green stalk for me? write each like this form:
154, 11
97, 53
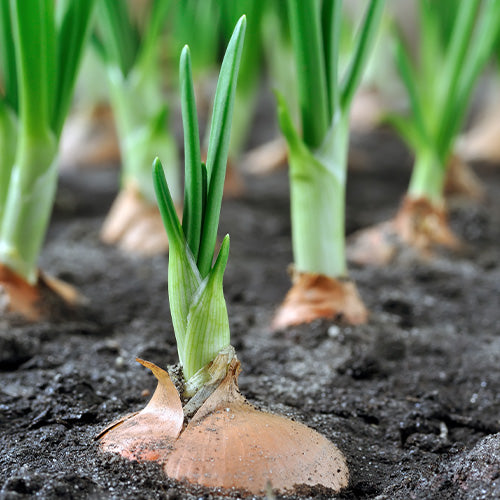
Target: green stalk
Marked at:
428, 177
30, 174
8, 143
318, 161
7, 57
317, 192
142, 126
218, 145
135, 84
197, 304
249, 73
32, 180
439, 90
193, 190
307, 40
365, 41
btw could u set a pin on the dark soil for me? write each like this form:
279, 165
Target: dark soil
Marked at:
412, 398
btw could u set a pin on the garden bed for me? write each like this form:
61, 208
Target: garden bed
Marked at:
412, 398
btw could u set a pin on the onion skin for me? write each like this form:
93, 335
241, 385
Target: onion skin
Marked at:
419, 226
315, 296
228, 443
231, 444
48, 298
150, 434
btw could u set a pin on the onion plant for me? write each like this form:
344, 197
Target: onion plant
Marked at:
195, 285
455, 44
131, 54
261, 451
41, 43
318, 159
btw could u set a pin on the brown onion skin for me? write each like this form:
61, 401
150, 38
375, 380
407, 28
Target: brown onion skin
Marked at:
419, 227
148, 435
47, 298
316, 296
229, 444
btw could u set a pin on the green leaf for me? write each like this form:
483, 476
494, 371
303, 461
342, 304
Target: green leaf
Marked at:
183, 275
479, 51
34, 35
120, 39
365, 42
8, 56
409, 79
305, 26
332, 26
167, 207
207, 324
218, 146
193, 184
73, 35
147, 50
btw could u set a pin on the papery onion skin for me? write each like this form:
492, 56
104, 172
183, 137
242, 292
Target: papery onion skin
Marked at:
228, 443
316, 296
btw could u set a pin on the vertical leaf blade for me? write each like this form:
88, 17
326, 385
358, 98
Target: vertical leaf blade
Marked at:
220, 133
193, 187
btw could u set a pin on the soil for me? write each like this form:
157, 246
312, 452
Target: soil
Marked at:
412, 398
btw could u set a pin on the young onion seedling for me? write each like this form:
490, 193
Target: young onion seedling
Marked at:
453, 52
318, 162
133, 66
41, 44
259, 449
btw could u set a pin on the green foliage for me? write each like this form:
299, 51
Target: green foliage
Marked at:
439, 84
316, 30
131, 52
318, 159
40, 52
195, 285
453, 50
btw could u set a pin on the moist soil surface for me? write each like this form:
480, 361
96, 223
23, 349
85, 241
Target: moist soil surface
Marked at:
412, 398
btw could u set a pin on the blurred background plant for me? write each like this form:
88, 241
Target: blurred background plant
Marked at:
41, 46
455, 43
128, 41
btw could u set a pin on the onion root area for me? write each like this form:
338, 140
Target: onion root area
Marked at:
316, 296
461, 181
89, 139
420, 228
134, 224
49, 298
227, 443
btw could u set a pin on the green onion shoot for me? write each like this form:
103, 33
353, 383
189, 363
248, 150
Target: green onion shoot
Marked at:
318, 159
454, 46
197, 302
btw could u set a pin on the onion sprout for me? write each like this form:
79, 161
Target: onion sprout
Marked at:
197, 302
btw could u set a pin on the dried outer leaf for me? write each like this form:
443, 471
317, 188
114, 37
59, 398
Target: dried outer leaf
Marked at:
47, 297
315, 296
230, 444
151, 433
420, 227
